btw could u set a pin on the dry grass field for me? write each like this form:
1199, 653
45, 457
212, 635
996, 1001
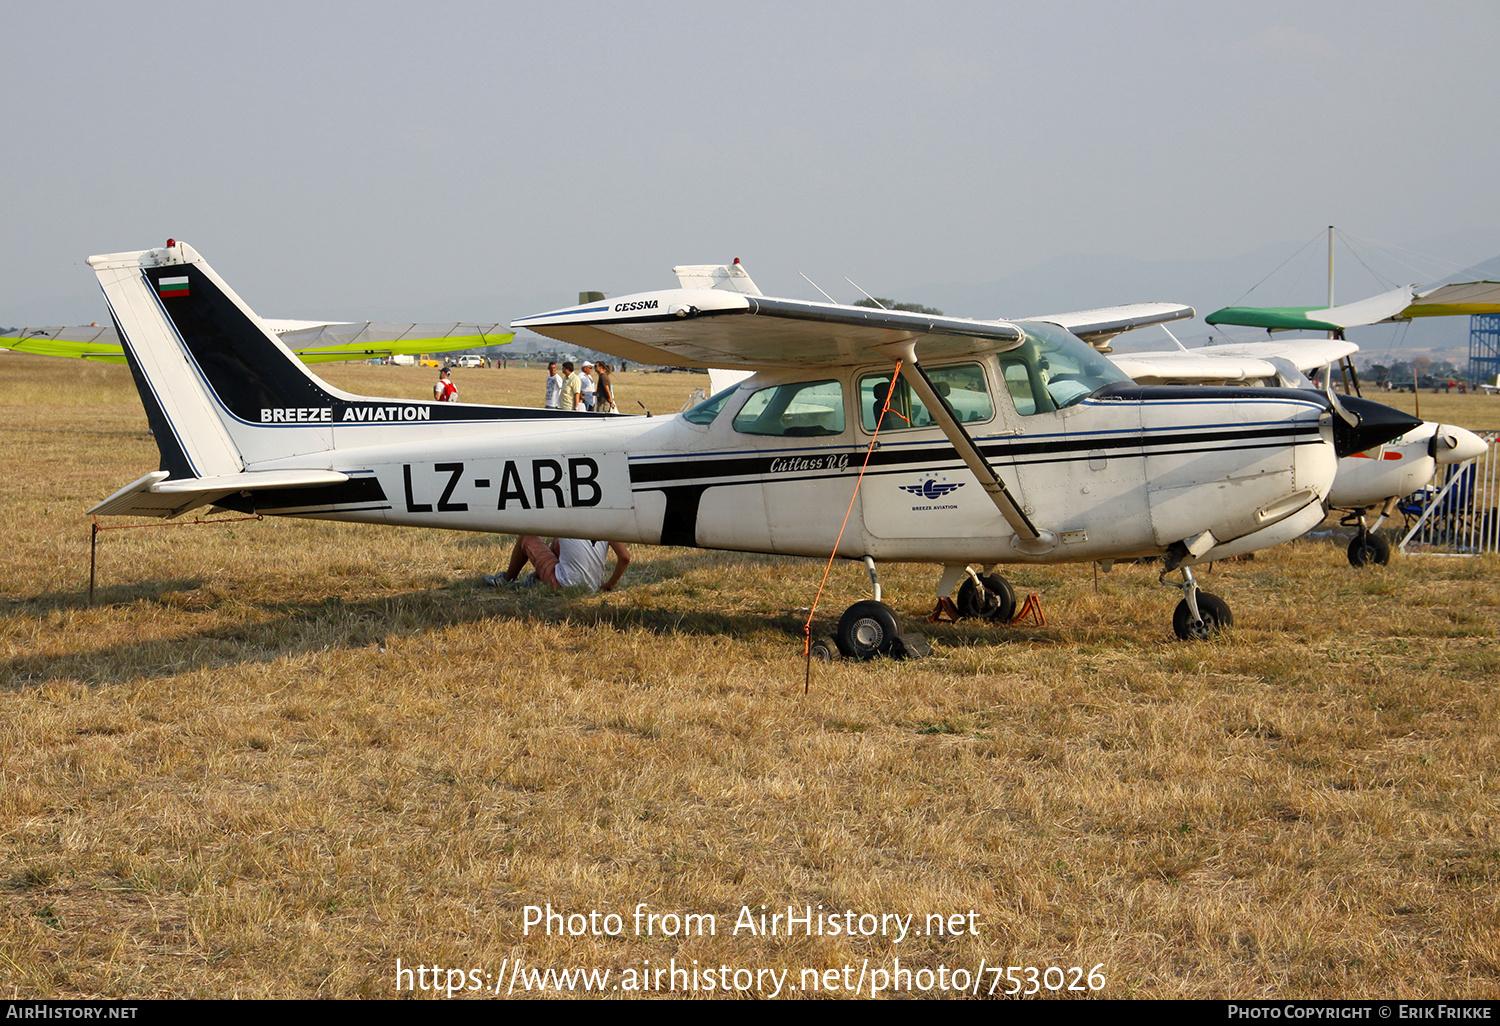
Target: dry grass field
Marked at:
274, 758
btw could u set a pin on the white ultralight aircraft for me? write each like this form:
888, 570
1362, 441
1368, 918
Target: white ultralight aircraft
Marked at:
1375, 480
1367, 482
1002, 442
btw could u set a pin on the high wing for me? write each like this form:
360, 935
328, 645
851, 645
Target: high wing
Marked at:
1458, 298
1099, 327
720, 328
729, 326
311, 341
1250, 362
791, 333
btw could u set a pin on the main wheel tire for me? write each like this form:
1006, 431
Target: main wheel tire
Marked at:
867, 629
1216, 617
997, 601
1367, 548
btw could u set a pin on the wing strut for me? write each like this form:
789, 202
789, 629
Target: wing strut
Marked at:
1029, 538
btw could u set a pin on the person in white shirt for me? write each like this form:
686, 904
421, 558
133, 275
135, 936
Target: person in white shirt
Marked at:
566, 563
554, 387
588, 386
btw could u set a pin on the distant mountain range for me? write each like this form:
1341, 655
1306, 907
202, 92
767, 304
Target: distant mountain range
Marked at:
1287, 276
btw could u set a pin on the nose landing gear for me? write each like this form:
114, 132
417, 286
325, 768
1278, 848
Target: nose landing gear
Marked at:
1199, 616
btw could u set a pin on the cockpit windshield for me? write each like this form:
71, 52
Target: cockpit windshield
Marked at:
1054, 369
706, 411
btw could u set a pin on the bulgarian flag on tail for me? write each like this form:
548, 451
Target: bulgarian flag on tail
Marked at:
166, 288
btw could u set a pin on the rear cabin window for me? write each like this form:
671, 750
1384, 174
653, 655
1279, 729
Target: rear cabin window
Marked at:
962, 386
807, 409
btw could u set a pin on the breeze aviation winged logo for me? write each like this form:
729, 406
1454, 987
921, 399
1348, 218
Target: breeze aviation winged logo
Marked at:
931, 488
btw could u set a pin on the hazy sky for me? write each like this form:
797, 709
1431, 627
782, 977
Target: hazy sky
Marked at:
397, 160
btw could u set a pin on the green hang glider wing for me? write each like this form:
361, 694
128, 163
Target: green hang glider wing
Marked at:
1274, 318
324, 343
85, 343
1454, 300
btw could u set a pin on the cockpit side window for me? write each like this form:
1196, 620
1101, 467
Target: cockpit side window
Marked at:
962, 386
1024, 382
806, 409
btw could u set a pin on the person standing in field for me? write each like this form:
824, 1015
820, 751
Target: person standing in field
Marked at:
588, 387
604, 392
554, 387
443, 389
571, 389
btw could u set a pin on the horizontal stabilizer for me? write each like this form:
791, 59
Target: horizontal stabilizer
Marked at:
156, 496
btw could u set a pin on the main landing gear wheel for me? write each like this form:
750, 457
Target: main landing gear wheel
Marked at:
1215, 613
997, 600
867, 629
1367, 548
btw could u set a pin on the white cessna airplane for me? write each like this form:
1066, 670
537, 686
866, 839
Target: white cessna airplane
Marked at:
1002, 442
1367, 482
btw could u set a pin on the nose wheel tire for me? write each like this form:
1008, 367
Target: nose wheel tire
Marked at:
867, 629
1215, 613
996, 601
1367, 548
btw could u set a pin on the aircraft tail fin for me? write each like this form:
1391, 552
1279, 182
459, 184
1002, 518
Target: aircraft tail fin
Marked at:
206, 367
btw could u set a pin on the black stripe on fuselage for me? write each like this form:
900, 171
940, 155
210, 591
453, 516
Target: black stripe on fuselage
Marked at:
364, 490
891, 461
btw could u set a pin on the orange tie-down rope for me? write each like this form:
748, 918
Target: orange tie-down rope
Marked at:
807, 627
195, 522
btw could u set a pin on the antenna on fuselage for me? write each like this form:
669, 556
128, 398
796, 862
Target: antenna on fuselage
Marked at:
1163, 327
826, 296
